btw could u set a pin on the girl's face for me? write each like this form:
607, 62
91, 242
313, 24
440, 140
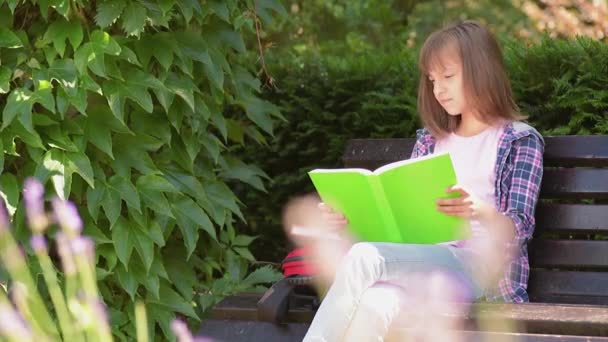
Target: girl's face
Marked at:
448, 85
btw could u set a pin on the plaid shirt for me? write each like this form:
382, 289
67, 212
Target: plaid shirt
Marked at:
519, 169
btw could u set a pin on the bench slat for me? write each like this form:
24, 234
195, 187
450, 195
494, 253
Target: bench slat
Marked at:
575, 184
568, 254
571, 218
574, 150
568, 287
559, 150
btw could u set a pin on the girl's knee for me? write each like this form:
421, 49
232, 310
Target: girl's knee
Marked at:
363, 256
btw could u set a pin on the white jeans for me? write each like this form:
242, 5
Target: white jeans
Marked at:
375, 280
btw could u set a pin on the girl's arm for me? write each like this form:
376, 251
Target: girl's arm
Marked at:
524, 186
517, 221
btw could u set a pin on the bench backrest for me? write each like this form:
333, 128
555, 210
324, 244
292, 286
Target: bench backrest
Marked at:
569, 252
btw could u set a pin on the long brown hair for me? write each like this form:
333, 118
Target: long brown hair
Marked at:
486, 84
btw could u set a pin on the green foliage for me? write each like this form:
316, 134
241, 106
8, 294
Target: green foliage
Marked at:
122, 106
560, 84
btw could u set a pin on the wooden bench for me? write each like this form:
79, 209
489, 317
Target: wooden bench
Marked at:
568, 284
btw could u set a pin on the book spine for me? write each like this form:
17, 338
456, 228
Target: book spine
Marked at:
388, 220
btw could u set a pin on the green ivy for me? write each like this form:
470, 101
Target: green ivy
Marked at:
121, 107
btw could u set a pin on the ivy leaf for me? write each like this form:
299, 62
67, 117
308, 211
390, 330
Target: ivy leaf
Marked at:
20, 102
124, 241
234, 168
111, 205
262, 275
173, 301
188, 8
44, 95
182, 87
190, 217
126, 191
94, 199
98, 128
54, 165
92, 54
64, 71
127, 280
165, 47
135, 87
5, 79
144, 246
60, 30
108, 11
9, 190
8, 39
181, 274
132, 152
134, 19
155, 183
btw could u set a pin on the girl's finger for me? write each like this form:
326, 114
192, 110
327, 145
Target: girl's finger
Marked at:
459, 189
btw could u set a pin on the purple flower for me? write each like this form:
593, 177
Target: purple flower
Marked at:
33, 194
66, 214
12, 325
65, 253
83, 246
38, 243
180, 329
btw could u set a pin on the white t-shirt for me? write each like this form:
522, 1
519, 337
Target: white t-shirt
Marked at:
474, 160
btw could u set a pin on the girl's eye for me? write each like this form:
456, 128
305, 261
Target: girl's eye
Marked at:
449, 76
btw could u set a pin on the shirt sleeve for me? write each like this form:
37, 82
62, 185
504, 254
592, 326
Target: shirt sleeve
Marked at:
420, 147
525, 185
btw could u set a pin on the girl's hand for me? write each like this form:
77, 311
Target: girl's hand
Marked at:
333, 219
465, 206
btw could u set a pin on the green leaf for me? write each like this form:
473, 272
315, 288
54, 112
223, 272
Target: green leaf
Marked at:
20, 102
111, 204
234, 168
30, 138
163, 317
220, 9
80, 163
98, 128
44, 95
127, 280
126, 191
124, 240
94, 199
5, 79
183, 87
64, 71
173, 301
1, 156
60, 30
92, 54
180, 272
12, 4
9, 190
132, 152
55, 165
188, 8
189, 217
243, 240
155, 183
96, 233
245, 253
134, 19
144, 246
259, 111
165, 47
135, 87
8, 39
108, 12
263, 275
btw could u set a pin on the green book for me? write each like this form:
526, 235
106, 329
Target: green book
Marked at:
396, 202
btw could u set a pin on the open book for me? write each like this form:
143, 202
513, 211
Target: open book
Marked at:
396, 202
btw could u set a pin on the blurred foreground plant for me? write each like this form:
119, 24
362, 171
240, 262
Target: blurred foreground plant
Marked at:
77, 312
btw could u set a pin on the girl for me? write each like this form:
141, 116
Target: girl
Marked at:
467, 108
